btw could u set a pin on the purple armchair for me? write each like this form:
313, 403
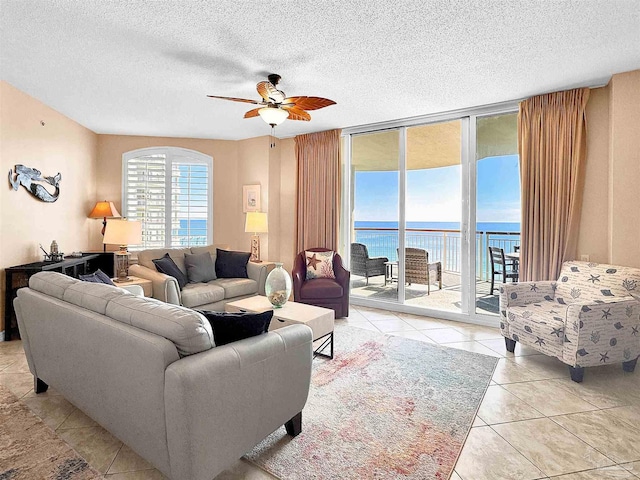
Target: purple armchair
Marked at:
322, 292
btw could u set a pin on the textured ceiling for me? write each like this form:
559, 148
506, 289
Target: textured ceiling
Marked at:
145, 67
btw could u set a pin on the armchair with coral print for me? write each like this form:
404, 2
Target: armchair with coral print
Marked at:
589, 316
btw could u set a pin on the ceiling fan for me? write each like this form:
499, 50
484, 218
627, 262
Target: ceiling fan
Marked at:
276, 107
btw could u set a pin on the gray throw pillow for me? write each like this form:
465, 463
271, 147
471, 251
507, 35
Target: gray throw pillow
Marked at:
200, 267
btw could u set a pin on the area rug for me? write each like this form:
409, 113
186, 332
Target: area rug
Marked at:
386, 407
29, 449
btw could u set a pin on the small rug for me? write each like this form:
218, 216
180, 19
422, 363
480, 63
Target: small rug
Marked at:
385, 407
30, 450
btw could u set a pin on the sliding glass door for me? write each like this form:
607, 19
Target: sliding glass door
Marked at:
424, 201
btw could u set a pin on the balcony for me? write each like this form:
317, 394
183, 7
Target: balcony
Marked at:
443, 246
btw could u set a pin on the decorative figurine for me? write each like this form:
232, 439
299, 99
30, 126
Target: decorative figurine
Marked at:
26, 177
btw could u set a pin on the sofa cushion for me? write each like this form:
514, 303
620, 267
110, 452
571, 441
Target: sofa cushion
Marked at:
321, 288
92, 296
196, 294
200, 267
96, 277
146, 257
231, 327
236, 287
187, 329
212, 249
231, 264
168, 266
53, 284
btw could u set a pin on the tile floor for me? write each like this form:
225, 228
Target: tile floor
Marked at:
534, 422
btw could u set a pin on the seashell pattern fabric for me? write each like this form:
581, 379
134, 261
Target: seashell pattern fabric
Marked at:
589, 316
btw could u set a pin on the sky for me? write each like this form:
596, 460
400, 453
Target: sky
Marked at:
434, 195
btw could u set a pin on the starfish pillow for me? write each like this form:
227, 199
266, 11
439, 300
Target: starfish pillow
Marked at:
319, 265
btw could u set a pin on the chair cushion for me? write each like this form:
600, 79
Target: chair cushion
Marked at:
593, 281
236, 287
321, 288
196, 294
231, 264
200, 267
319, 264
544, 321
231, 327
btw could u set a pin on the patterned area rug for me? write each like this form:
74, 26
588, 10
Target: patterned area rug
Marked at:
30, 450
385, 407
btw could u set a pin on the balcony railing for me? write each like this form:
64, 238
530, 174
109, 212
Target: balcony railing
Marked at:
443, 245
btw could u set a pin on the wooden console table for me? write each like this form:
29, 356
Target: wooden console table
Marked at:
18, 277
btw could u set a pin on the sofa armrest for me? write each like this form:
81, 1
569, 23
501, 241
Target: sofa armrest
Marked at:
522, 293
222, 402
606, 331
258, 272
165, 287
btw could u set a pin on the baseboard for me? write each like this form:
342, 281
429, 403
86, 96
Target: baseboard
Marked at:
2, 336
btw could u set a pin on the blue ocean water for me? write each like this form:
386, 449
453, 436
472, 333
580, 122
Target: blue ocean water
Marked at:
442, 241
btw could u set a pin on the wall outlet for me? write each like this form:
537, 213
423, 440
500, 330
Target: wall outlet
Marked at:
584, 258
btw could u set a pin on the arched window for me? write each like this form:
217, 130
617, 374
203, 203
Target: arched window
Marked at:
170, 190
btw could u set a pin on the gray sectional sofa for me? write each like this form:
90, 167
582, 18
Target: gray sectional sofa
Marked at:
150, 373
204, 296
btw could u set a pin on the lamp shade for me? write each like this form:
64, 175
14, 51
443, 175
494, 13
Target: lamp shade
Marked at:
123, 232
273, 115
104, 209
256, 222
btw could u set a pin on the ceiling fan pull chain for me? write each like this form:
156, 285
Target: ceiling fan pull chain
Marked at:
273, 136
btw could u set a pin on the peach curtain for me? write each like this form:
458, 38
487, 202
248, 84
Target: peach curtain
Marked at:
552, 148
318, 193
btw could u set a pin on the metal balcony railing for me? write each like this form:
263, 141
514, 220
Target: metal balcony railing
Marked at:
443, 245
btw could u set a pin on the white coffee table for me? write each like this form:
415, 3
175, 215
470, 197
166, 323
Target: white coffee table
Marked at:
319, 319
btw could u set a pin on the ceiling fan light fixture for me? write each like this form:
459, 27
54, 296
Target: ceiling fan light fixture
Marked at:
273, 115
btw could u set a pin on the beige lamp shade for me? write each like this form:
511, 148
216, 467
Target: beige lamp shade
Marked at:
123, 232
104, 209
256, 222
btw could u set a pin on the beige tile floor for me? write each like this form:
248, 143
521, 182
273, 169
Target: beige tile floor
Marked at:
534, 422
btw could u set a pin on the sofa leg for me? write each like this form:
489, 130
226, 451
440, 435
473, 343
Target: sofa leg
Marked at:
577, 373
630, 366
294, 426
510, 344
39, 386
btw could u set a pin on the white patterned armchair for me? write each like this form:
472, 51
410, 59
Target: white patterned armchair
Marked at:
589, 316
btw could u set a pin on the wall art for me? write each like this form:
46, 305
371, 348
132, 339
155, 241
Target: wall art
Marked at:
28, 178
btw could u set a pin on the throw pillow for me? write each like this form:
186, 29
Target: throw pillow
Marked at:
231, 264
96, 277
231, 327
319, 265
167, 266
200, 267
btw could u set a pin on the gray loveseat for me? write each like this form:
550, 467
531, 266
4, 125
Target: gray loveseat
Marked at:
204, 296
149, 373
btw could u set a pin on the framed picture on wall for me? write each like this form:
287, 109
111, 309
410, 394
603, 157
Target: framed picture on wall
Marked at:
250, 198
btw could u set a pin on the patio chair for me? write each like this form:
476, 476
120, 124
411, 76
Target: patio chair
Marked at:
418, 270
501, 266
364, 266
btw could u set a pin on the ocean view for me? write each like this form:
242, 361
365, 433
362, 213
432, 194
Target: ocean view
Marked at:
440, 239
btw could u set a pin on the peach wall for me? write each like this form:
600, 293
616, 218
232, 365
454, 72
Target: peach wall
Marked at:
624, 169
61, 145
287, 198
228, 220
593, 239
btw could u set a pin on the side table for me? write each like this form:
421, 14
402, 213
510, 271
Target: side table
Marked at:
147, 285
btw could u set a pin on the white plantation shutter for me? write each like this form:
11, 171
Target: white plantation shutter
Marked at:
169, 190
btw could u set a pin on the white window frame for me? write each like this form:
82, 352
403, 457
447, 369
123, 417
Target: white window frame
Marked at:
173, 155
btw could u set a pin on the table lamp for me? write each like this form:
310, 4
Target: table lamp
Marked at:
256, 222
123, 233
104, 210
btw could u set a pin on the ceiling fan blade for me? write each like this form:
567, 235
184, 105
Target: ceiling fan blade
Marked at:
234, 99
252, 113
308, 103
296, 113
269, 92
